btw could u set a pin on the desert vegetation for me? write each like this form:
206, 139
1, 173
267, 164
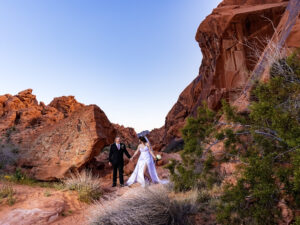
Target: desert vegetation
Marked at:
7, 194
263, 144
153, 205
86, 184
18, 177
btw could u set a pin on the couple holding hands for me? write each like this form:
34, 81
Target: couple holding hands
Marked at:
144, 164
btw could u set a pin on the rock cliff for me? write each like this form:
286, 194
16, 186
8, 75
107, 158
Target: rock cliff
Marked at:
234, 41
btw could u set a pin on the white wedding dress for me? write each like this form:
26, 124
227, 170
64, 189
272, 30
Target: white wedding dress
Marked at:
145, 159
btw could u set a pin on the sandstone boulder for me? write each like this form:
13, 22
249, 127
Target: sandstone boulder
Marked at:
67, 145
51, 140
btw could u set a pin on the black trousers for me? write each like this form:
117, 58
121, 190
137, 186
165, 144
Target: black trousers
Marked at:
117, 167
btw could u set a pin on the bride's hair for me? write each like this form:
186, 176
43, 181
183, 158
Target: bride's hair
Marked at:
143, 139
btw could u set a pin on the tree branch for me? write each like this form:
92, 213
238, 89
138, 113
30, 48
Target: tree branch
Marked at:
269, 135
283, 153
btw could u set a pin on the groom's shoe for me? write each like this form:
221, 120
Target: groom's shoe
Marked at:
114, 185
122, 185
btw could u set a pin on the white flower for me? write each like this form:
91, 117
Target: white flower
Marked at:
158, 157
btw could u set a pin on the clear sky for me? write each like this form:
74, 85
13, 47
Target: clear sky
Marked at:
130, 57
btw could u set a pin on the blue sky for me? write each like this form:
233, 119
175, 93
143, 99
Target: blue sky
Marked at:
130, 57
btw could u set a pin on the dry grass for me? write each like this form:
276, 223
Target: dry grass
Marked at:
145, 206
7, 193
271, 51
86, 184
268, 57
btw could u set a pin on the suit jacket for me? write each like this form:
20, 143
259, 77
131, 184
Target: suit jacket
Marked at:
116, 155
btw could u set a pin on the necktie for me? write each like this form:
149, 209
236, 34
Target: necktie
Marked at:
118, 145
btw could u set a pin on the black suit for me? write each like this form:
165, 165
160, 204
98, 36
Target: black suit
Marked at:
117, 161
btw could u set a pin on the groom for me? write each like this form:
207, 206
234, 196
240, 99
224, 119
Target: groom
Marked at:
116, 160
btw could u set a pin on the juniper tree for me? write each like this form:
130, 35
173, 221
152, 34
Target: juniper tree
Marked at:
265, 142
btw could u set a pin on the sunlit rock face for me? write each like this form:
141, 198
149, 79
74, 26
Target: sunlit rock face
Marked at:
48, 141
233, 39
127, 135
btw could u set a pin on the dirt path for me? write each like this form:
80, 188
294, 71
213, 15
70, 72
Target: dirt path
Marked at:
44, 206
37, 205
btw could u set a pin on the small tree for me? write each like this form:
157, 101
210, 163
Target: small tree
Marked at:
271, 164
265, 142
196, 135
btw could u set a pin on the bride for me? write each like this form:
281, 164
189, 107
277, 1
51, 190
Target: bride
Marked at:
145, 164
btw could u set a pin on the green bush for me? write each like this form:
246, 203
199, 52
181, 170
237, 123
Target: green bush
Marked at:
272, 154
265, 141
196, 134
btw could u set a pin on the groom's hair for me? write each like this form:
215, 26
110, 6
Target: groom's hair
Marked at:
117, 137
143, 139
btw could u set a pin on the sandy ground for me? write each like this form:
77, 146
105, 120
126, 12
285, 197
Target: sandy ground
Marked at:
44, 206
66, 207
28, 197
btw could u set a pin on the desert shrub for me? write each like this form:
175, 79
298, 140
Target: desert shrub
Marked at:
7, 193
86, 184
297, 221
145, 206
197, 137
271, 162
18, 177
25, 180
265, 142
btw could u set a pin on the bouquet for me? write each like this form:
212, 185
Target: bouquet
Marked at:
158, 157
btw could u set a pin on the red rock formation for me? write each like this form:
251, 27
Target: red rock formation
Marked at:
67, 145
55, 139
228, 59
127, 135
155, 138
65, 105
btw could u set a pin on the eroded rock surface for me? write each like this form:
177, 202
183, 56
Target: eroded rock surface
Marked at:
127, 135
41, 213
232, 39
50, 141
